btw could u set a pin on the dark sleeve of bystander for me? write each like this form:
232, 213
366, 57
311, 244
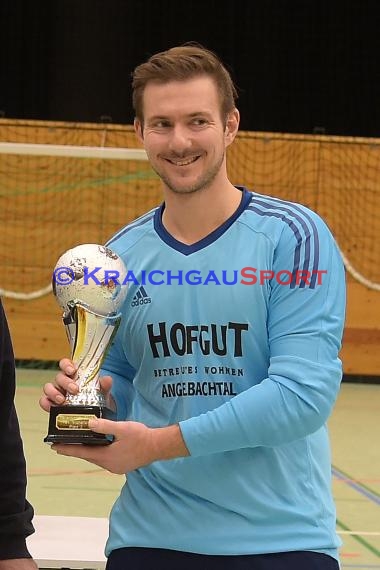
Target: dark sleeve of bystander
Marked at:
16, 513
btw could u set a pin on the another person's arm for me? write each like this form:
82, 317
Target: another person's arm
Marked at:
15, 512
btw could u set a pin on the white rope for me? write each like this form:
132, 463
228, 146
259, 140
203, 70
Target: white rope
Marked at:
26, 296
358, 276
111, 153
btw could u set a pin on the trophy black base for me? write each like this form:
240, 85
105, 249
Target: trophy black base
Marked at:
69, 424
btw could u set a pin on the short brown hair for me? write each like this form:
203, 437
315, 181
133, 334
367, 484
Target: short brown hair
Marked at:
180, 63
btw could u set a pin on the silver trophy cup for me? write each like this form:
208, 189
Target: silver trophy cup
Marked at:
89, 285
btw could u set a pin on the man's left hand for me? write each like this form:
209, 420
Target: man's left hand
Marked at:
135, 445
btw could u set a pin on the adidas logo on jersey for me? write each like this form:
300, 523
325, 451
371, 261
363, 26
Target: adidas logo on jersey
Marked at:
141, 298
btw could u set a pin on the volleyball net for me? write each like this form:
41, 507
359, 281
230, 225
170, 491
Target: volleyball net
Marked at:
62, 185
65, 184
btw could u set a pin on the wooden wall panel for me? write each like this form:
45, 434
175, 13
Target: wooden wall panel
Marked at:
340, 178
39, 334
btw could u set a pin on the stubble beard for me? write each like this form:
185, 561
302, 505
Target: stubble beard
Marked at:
204, 181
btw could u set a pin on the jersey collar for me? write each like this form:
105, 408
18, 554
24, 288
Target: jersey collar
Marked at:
204, 242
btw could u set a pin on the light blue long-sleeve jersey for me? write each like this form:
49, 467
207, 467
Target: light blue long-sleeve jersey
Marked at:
236, 338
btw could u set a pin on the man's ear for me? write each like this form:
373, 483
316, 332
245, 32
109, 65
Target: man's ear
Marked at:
232, 126
138, 129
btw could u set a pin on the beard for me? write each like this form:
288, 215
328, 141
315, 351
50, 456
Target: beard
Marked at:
203, 181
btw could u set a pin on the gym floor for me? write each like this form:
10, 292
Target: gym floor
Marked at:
68, 487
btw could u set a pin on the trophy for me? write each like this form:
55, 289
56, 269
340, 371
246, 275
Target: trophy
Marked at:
88, 283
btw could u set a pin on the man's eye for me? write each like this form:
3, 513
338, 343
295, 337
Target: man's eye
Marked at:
160, 125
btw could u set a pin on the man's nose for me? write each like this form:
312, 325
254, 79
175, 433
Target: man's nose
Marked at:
180, 139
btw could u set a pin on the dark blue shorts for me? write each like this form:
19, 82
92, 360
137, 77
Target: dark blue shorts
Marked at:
160, 559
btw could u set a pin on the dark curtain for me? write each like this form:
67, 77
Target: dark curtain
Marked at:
300, 65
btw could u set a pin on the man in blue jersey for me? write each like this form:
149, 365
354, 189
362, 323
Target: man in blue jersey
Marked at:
225, 368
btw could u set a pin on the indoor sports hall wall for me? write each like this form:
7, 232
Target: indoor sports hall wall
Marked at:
49, 204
